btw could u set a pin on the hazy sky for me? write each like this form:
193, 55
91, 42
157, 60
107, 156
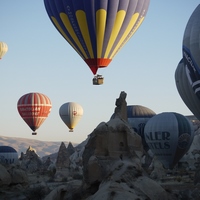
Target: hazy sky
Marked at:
40, 60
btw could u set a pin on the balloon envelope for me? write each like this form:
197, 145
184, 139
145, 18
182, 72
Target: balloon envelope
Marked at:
3, 49
8, 155
71, 114
185, 90
191, 50
34, 108
169, 136
137, 117
97, 29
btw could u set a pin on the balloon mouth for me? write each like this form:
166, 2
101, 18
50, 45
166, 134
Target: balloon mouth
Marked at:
33, 128
95, 63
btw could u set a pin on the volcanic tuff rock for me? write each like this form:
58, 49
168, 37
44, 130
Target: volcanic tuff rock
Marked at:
70, 148
158, 170
30, 161
5, 177
120, 109
126, 182
63, 158
110, 142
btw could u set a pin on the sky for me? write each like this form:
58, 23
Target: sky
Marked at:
40, 60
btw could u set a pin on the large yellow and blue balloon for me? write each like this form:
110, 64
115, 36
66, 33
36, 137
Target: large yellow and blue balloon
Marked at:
97, 29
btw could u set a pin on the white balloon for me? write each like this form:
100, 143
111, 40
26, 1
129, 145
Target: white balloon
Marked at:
71, 114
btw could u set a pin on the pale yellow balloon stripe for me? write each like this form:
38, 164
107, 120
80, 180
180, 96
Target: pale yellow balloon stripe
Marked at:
82, 21
3, 49
100, 30
64, 35
135, 29
128, 29
116, 28
70, 29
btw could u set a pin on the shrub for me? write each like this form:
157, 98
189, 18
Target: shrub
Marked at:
78, 176
36, 193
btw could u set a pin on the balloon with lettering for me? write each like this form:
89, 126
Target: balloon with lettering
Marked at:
8, 155
169, 136
191, 50
3, 49
34, 108
185, 90
97, 29
71, 113
137, 117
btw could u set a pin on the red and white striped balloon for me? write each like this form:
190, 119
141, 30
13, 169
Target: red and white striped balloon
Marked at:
34, 108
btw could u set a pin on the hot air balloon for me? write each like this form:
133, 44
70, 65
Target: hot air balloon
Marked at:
71, 114
137, 117
191, 50
169, 136
8, 155
34, 108
3, 49
97, 29
185, 90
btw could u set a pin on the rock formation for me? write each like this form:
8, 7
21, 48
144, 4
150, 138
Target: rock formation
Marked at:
5, 177
18, 175
110, 142
121, 110
30, 161
70, 149
63, 158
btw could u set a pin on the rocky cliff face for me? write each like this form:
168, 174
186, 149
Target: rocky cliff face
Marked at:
107, 144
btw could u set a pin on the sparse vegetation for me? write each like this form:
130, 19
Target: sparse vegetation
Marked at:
77, 176
64, 179
36, 193
178, 178
112, 193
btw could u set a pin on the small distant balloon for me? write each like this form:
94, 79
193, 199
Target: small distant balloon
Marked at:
34, 108
3, 49
71, 113
169, 136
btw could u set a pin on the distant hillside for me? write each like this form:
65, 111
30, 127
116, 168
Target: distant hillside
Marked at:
42, 148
